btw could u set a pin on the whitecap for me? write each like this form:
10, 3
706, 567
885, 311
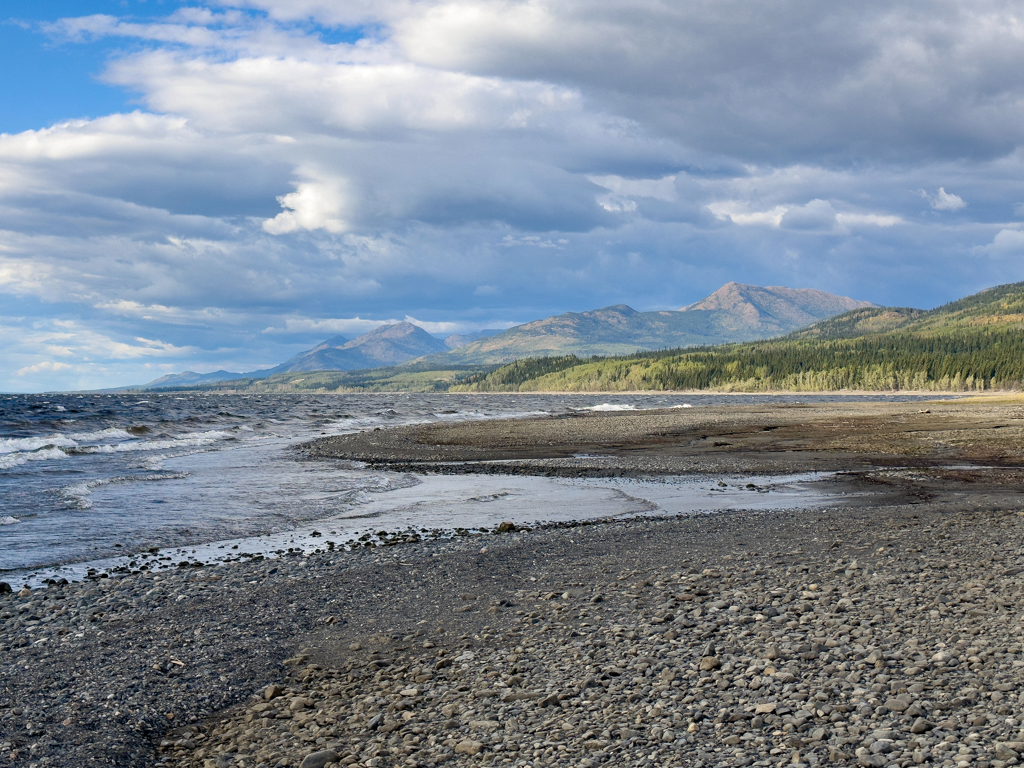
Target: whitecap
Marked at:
110, 433
610, 407
10, 460
58, 440
8, 520
190, 439
27, 444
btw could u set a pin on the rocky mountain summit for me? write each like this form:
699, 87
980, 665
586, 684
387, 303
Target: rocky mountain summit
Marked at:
772, 310
385, 345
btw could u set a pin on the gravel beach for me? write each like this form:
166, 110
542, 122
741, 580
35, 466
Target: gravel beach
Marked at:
883, 631
771, 438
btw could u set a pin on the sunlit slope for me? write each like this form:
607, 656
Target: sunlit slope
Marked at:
973, 344
734, 312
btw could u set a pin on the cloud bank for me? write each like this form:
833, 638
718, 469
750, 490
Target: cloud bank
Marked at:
301, 167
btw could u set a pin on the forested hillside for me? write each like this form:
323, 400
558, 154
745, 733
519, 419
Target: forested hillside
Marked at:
973, 344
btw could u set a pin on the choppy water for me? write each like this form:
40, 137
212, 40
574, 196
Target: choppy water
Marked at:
93, 476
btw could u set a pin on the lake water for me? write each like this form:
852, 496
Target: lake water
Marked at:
89, 480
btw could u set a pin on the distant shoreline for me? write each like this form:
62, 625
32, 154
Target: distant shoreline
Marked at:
596, 392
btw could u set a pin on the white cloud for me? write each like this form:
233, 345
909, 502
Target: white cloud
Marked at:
739, 213
62, 353
344, 96
868, 219
1007, 242
44, 367
623, 190
313, 205
816, 216
172, 315
943, 200
23, 277
68, 338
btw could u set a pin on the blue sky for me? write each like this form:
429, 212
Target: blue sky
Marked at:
219, 185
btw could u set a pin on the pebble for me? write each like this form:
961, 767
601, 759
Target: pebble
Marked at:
784, 651
320, 759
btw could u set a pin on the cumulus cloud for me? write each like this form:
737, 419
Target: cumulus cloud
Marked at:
45, 366
1007, 242
313, 205
817, 215
943, 200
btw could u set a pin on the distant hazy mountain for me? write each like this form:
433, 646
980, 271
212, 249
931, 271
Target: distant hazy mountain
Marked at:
190, 378
734, 312
383, 346
457, 340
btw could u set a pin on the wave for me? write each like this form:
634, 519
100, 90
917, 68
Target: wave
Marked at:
192, 439
76, 495
60, 440
11, 460
16, 451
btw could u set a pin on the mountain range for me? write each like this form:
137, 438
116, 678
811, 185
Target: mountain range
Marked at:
970, 345
735, 312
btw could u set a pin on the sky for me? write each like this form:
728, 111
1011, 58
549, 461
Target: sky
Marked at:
204, 186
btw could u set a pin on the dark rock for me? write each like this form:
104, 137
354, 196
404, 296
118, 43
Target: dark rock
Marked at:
320, 759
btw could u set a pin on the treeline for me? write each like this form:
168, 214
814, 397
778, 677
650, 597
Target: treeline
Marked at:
509, 377
961, 359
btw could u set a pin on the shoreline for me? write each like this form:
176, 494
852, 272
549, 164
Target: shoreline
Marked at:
916, 393
794, 636
640, 499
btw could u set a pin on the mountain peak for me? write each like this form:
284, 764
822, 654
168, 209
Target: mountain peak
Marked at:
775, 307
402, 330
385, 345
